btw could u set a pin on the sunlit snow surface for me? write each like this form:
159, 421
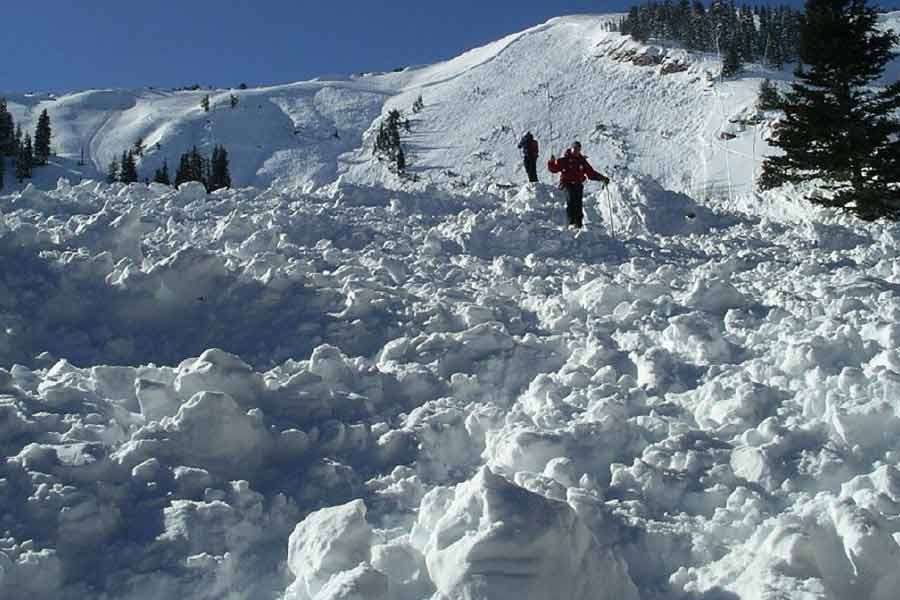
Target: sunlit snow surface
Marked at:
436, 391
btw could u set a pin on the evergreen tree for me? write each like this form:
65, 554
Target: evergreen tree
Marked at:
7, 131
24, 160
836, 126
2, 170
233, 100
162, 175
128, 172
17, 140
191, 167
205, 103
182, 174
138, 147
768, 98
418, 105
112, 172
731, 62
387, 141
42, 134
219, 176
198, 166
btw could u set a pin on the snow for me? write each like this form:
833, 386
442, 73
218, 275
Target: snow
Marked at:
334, 383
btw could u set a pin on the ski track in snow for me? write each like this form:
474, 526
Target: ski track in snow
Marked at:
348, 385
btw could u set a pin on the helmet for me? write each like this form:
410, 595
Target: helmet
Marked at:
576, 145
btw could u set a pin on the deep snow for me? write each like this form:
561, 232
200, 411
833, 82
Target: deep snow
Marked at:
341, 384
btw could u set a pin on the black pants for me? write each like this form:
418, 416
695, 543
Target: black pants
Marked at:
575, 203
531, 168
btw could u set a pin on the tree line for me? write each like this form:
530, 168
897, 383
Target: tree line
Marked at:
25, 153
740, 34
213, 172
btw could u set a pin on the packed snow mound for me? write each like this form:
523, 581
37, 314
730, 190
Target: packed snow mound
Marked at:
489, 538
641, 207
236, 362
834, 547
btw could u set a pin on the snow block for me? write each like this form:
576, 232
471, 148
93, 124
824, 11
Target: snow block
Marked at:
331, 542
492, 539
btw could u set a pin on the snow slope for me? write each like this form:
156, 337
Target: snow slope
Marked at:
344, 385
664, 120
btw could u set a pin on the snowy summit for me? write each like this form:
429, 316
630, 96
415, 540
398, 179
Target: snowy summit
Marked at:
335, 379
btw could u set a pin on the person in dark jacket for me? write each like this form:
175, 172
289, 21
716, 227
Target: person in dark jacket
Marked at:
574, 170
529, 147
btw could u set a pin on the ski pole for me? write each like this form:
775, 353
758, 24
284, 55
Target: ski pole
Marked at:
549, 113
612, 227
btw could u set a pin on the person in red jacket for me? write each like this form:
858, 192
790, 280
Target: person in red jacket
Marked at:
529, 147
574, 170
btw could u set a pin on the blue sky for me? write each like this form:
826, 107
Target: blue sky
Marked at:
64, 45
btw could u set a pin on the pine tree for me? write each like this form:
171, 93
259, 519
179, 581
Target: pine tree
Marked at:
191, 167
17, 140
387, 142
2, 170
162, 174
233, 101
418, 105
197, 166
205, 103
836, 126
42, 134
138, 147
128, 172
731, 63
768, 98
24, 160
7, 131
182, 174
219, 176
112, 172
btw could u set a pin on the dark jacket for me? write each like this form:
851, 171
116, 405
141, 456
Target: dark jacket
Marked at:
529, 147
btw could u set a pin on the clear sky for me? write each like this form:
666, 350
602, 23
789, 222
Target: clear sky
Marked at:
66, 45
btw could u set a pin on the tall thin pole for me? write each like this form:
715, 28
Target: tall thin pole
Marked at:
612, 226
549, 112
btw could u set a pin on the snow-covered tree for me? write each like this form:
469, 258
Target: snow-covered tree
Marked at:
204, 103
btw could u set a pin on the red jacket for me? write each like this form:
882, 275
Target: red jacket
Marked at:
573, 169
